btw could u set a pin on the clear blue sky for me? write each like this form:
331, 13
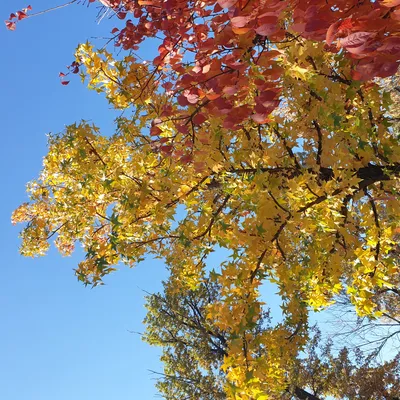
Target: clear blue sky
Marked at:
58, 339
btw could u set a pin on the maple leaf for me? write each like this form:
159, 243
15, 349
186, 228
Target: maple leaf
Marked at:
10, 25
227, 3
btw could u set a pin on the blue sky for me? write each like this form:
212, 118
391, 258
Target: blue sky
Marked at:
58, 339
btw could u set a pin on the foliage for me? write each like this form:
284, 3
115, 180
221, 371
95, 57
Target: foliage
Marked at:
346, 376
258, 129
194, 349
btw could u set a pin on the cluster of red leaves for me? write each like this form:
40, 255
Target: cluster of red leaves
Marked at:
17, 16
368, 31
220, 48
224, 37
209, 48
73, 68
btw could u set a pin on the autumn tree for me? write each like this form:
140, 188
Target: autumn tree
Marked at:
193, 351
346, 374
260, 127
192, 348
378, 337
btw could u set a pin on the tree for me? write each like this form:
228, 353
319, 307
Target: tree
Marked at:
258, 128
194, 349
377, 337
345, 375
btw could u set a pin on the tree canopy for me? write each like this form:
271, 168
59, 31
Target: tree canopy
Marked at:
263, 127
194, 350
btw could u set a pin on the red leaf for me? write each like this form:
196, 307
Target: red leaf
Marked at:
12, 15
10, 25
74, 67
65, 83
182, 128
115, 30
212, 95
167, 86
230, 90
262, 113
346, 25
395, 15
390, 3
21, 15
182, 101
271, 104
186, 159
155, 131
61, 74
198, 119
166, 149
315, 25
260, 118
268, 95
29, 8
391, 46
239, 22
268, 24
121, 15
331, 33
240, 31
227, 3
356, 39
371, 68
192, 98
388, 69
267, 29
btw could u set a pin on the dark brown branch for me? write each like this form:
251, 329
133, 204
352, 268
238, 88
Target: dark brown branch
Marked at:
302, 394
368, 175
318, 200
259, 262
274, 239
394, 290
287, 147
316, 95
95, 151
277, 203
280, 249
376, 219
215, 215
319, 132
56, 230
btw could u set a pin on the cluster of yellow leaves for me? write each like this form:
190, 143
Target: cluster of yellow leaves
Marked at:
308, 200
